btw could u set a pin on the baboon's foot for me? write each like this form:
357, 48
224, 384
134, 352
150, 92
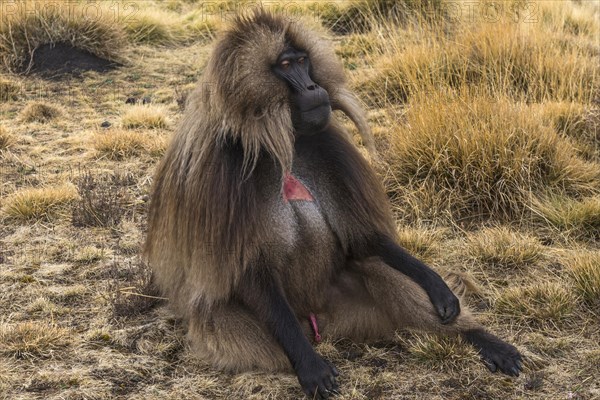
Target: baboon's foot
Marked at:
317, 378
496, 354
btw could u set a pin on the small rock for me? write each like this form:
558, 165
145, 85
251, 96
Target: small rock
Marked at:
131, 100
105, 124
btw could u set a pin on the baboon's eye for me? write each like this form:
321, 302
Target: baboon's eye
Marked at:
301, 60
285, 64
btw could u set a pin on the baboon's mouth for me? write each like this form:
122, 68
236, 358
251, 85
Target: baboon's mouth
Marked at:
314, 120
324, 104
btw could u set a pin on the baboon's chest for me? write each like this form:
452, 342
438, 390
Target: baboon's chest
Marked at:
294, 190
314, 253
310, 225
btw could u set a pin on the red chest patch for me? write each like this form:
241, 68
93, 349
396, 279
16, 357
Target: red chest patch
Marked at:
294, 190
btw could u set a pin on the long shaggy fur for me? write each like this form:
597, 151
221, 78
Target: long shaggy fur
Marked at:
217, 208
202, 234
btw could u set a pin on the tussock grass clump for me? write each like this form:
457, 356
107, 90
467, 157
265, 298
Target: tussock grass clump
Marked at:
68, 295
160, 27
6, 138
422, 243
44, 307
9, 90
26, 25
569, 119
504, 248
493, 58
572, 18
343, 19
31, 340
39, 203
143, 116
154, 27
121, 144
363, 15
578, 218
577, 121
440, 352
356, 46
539, 305
584, 269
39, 111
89, 255
470, 158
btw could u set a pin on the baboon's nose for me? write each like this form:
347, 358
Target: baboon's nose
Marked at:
313, 87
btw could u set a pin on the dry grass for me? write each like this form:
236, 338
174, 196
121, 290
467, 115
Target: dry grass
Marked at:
130, 238
30, 340
578, 218
570, 119
121, 144
41, 203
365, 15
89, 255
474, 157
503, 58
160, 27
144, 116
39, 111
542, 304
9, 90
490, 133
422, 242
440, 352
578, 121
6, 138
103, 200
584, 269
504, 248
28, 24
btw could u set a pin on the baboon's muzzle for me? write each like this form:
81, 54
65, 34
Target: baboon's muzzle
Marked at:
312, 109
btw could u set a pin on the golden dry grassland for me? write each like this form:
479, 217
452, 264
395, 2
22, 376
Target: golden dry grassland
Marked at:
487, 118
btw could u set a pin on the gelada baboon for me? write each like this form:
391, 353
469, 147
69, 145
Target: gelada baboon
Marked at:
267, 227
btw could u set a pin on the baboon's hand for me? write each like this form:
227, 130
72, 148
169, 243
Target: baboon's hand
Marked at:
317, 378
445, 302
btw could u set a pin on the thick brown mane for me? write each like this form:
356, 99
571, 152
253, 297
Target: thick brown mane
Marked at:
198, 226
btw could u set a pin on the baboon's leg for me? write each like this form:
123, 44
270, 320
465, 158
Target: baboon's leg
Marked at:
231, 339
371, 300
406, 304
353, 312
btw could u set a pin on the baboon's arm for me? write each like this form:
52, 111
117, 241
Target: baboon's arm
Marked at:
263, 295
442, 298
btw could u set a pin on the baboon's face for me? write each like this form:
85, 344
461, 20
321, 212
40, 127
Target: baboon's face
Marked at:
309, 102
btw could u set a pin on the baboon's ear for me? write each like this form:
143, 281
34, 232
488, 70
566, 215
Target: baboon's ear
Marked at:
345, 101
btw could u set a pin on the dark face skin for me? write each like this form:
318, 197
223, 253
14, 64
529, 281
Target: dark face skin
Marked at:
310, 102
